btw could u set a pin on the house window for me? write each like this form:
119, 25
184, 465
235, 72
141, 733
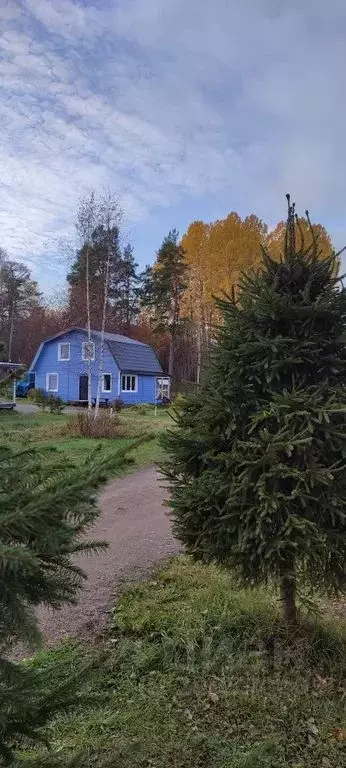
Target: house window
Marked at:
107, 382
64, 351
129, 383
88, 350
52, 382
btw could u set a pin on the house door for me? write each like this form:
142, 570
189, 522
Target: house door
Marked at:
83, 387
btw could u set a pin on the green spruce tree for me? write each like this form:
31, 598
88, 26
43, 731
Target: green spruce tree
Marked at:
46, 508
257, 464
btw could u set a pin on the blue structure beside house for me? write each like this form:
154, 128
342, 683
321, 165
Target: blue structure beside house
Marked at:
131, 370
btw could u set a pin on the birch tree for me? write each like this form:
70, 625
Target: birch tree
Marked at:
85, 225
110, 217
95, 274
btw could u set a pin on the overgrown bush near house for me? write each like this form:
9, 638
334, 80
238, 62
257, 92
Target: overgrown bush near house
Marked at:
45, 400
55, 404
32, 393
105, 424
118, 405
38, 397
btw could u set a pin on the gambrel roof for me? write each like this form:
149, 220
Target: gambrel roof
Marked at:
130, 355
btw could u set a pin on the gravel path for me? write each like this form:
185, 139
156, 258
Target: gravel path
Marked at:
136, 525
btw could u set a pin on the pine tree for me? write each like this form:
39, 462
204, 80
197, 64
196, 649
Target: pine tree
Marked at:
257, 464
103, 250
46, 507
19, 295
128, 291
163, 288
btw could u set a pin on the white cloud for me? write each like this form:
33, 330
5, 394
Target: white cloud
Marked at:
168, 101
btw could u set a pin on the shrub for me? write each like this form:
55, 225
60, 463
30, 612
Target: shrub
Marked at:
46, 400
39, 397
105, 424
55, 404
117, 405
32, 393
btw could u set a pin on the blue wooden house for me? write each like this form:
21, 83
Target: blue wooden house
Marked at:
131, 370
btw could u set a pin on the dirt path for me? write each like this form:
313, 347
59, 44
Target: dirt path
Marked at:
136, 525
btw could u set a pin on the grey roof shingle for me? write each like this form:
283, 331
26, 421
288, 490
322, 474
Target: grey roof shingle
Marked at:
131, 355
134, 357
117, 337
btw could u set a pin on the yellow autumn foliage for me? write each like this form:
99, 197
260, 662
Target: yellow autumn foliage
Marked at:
218, 252
275, 240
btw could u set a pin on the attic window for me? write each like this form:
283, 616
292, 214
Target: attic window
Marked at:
129, 383
88, 350
64, 351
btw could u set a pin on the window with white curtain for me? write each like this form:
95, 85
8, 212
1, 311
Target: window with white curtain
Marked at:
52, 382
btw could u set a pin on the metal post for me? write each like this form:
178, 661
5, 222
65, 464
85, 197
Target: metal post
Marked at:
158, 384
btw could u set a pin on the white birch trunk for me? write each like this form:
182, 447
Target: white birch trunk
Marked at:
88, 329
199, 354
10, 340
102, 340
110, 214
85, 224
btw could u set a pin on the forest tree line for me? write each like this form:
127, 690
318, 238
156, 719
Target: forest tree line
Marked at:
170, 304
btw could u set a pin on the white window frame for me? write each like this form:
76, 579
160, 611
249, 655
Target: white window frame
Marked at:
129, 391
64, 344
47, 382
87, 359
107, 391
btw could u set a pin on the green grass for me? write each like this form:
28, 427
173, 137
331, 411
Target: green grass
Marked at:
197, 673
46, 429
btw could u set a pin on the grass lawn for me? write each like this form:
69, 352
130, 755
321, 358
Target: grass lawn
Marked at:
197, 673
39, 429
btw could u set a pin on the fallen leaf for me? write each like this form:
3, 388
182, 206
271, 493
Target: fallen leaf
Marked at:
213, 697
339, 734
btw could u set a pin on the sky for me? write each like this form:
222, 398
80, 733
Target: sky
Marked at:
184, 109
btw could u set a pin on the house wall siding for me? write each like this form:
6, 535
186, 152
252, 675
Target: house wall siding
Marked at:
146, 391
70, 370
